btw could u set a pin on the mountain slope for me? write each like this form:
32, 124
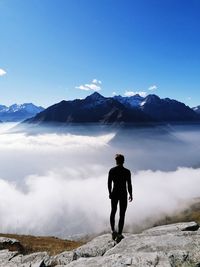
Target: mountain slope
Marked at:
167, 109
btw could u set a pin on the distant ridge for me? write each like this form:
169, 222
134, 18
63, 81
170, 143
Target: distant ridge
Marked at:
17, 112
197, 109
99, 109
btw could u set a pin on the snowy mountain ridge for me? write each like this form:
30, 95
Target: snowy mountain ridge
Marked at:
19, 112
96, 108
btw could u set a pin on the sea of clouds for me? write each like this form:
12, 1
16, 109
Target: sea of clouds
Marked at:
56, 183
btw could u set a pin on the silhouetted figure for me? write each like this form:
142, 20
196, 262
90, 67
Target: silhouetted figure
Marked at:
119, 179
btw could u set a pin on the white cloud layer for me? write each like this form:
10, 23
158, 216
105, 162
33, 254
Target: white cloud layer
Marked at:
52, 141
95, 85
2, 72
153, 87
58, 182
132, 93
75, 201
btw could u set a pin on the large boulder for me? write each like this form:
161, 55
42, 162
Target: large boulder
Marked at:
10, 244
163, 246
14, 259
6, 256
96, 247
172, 228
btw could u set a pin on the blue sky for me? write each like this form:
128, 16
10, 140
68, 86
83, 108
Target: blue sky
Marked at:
52, 50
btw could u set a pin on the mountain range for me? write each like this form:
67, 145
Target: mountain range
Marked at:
17, 112
96, 108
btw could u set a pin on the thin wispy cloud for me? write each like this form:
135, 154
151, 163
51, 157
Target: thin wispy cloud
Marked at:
132, 93
2, 72
95, 85
153, 88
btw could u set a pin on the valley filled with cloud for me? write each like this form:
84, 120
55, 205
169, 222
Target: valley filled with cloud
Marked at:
55, 183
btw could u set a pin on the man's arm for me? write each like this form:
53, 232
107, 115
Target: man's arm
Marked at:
110, 183
130, 187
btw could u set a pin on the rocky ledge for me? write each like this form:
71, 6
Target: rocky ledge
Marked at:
162, 246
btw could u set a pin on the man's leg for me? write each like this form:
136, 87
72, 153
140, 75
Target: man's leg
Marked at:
113, 212
122, 211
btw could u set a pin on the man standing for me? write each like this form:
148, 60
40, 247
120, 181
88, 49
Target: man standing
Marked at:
119, 178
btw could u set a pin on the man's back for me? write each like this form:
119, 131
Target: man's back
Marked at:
121, 177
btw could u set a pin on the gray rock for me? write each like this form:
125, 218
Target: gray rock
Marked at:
161, 246
61, 259
97, 247
118, 260
6, 256
11, 244
171, 228
36, 259
110, 261
175, 245
31, 260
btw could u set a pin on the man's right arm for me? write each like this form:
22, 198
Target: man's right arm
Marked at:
130, 186
110, 183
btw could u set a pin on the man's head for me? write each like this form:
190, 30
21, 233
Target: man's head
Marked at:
119, 159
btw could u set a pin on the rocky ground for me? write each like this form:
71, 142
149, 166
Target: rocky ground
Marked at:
171, 245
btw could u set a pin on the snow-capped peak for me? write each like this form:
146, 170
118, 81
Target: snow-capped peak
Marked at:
18, 112
133, 101
29, 107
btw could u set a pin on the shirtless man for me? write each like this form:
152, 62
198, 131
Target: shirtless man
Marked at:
119, 180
